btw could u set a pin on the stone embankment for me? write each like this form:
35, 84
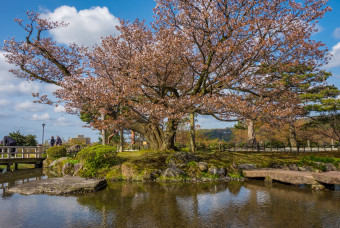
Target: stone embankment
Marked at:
60, 186
294, 177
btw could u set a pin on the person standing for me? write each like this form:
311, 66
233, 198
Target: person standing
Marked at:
52, 141
9, 141
59, 142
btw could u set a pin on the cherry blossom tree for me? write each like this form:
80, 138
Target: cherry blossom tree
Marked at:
213, 57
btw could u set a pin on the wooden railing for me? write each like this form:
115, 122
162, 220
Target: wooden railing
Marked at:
7, 152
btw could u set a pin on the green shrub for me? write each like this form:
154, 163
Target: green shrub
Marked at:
55, 152
96, 158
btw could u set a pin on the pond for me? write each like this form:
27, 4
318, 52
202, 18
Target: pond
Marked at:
234, 204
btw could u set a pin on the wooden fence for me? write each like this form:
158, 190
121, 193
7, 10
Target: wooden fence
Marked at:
7, 152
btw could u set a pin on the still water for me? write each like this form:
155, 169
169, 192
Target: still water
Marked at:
249, 204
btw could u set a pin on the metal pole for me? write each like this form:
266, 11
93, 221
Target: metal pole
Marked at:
42, 141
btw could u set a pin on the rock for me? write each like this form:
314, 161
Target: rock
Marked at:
285, 167
309, 168
129, 170
47, 162
151, 174
246, 166
203, 166
172, 172
115, 173
330, 167
318, 187
77, 168
58, 186
332, 177
218, 171
302, 169
68, 169
56, 162
293, 167
194, 171
180, 159
73, 149
319, 164
286, 176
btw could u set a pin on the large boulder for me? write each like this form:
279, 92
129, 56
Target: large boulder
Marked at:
180, 159
330, 167
332, 177
74, 149
172, 172
68, 169
47, 162
129, 170
58, 161
218, 171
58, 186
151, 174
77, 168
115, 173
203, 166
293, 167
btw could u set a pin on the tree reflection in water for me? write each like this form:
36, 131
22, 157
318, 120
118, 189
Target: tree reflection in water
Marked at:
213, 204
133, 204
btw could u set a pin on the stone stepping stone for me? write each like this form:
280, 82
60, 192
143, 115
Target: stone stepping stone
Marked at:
60, 186
332, 177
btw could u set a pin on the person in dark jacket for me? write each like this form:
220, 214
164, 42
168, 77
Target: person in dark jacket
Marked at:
9, 141
52, 141
59, 142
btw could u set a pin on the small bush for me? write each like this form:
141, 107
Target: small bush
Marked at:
96, 158
55, 152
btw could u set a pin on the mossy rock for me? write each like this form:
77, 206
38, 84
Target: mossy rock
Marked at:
193, 170
129, 170
115, 174
67, 169
150, 174
47, 162
180, 159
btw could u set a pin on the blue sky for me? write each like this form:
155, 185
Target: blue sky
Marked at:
17, 111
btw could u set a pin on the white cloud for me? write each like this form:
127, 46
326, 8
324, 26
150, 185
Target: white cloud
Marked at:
85, 26
44, 116
62, 122
4, 102
59, 108
29, 106
10, 85
335, 61
336, 33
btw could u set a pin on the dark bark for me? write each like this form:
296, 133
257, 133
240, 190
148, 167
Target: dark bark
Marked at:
158, 138
192, 132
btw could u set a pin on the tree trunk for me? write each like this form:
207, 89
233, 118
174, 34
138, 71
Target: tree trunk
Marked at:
158, 139
251, 140
103, 130
121, 140
192, 132
132, 138
292, 134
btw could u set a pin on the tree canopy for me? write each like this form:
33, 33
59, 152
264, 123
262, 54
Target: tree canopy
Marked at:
229, 59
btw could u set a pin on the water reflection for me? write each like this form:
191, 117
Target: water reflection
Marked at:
10, 179
249, 204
